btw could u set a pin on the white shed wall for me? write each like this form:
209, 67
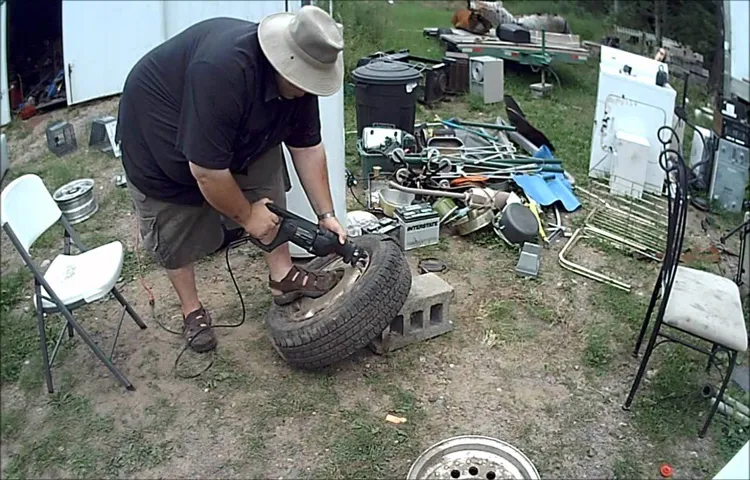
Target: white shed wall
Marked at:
4, 93
180, 15
102, 40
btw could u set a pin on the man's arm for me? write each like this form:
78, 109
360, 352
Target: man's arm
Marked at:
210, 114
221, 190
312, 170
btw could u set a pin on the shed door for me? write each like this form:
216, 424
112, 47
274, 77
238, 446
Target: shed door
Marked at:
103, 40
4, 94
182, 14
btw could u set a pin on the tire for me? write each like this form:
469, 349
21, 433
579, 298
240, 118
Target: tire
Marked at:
353, 320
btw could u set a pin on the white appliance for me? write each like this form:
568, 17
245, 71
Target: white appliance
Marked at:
629, 165
632, 105
332, 131
4, 93
738, 468
4, 161
486, 78
640, 67
696, 148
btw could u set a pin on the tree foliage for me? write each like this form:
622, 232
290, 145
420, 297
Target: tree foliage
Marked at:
690, 22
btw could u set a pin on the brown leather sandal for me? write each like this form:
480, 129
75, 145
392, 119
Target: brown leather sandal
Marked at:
300, 282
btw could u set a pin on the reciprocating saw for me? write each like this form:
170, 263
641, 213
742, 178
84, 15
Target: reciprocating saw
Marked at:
309, 236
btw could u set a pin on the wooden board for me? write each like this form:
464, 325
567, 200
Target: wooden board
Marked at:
470, 41
557, 39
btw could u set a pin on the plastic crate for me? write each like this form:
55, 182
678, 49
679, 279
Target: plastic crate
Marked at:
372, 159
61, 138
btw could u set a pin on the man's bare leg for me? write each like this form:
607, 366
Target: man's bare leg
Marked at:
279, 263
183, 281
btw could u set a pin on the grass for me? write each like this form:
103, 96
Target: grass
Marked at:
505, 325
668, 405
17, 329
364, 444
80, 442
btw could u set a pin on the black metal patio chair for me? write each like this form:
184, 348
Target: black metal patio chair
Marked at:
694, 302
27, 210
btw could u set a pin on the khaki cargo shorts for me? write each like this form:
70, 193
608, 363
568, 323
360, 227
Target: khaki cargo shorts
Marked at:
179, 235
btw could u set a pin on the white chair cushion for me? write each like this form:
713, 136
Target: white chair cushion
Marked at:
708, 306
87, 276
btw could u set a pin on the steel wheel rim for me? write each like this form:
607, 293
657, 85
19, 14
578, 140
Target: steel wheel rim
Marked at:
472, 457
305, 308
76, 200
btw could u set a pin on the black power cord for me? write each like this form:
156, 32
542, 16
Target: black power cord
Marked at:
233, 244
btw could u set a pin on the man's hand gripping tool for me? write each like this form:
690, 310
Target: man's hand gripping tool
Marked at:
311, 237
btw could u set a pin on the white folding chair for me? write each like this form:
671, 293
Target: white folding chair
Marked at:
27, 210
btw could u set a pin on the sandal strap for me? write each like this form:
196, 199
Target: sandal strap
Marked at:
299, 278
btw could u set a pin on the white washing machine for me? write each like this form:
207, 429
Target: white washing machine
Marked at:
635, 105
643, 68
332, 126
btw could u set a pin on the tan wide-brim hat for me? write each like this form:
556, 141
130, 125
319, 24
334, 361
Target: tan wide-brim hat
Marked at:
306, 48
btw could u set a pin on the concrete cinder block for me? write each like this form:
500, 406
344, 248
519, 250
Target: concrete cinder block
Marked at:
425, 314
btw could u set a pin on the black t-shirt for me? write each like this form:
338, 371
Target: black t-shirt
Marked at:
209, 96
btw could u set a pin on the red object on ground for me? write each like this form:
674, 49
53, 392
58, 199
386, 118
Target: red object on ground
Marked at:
16, 96
666, 470
27, 112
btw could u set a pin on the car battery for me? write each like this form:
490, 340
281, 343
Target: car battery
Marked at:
419, 226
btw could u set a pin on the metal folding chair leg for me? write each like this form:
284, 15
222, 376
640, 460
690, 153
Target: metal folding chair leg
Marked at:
720, 395
131, 311
642, 367
647, 319
43, 342
97, 351
714, 349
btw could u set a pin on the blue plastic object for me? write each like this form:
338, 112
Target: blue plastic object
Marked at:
546, 191
544, 153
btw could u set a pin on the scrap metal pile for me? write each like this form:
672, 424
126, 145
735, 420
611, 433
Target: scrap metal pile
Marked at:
465, 177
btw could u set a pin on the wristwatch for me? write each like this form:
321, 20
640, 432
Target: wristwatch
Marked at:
323, 216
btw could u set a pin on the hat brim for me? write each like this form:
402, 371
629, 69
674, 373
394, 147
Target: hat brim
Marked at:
322, 82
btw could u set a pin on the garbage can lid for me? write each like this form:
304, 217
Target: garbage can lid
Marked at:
386, 73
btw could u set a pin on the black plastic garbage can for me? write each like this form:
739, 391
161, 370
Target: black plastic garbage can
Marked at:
386, 92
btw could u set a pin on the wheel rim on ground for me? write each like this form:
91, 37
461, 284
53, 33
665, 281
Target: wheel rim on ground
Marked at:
472, 457
305, 308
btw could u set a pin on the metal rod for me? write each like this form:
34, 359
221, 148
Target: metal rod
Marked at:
626, 210
429, 193
117, 333
495, 126
630, 230
657, 201
583, 271
57, 344
615, 217
636, 227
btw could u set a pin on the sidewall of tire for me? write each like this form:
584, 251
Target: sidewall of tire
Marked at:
353, 320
